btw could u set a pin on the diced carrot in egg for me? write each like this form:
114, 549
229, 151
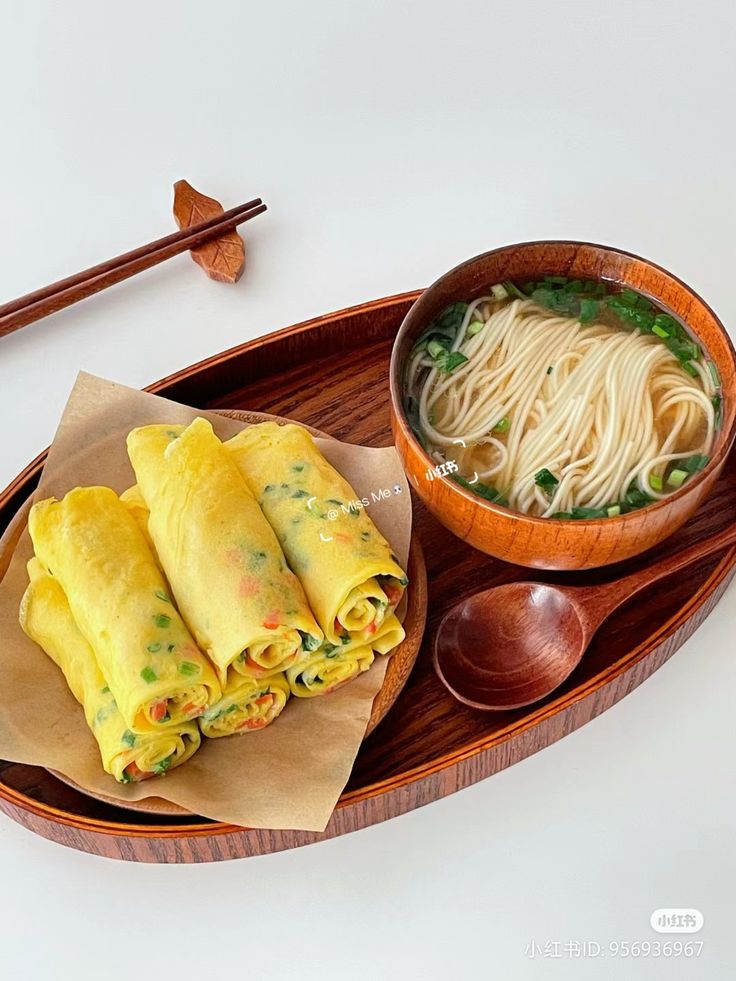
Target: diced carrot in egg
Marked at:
159, 710
252, 724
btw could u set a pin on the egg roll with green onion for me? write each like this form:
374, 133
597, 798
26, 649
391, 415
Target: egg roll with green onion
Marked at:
388, 635
328, 668
333, 665
93, 547
228, 574
46, 618
246, 704
351, 578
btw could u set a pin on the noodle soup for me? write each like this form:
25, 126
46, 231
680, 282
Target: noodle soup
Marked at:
563, 398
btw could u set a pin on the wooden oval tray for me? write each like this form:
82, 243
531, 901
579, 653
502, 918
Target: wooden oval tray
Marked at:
332, 373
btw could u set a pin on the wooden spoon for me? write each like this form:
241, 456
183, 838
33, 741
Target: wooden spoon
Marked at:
514, 644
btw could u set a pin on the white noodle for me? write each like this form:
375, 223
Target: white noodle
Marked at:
599, 407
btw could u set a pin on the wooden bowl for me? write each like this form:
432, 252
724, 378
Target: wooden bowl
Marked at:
539, 542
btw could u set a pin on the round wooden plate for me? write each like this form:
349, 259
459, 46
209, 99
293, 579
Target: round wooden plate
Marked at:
400, 662
428, 746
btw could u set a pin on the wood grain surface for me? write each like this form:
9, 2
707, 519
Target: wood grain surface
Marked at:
56, 296
223, 259
512, 645
428, 745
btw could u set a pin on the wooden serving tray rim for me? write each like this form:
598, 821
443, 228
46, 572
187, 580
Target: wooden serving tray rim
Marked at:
36, 464
406, 777
300, 328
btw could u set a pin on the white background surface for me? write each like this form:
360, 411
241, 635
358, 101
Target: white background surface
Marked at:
391, 139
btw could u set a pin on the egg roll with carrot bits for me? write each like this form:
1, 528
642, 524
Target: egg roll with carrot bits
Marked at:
351, 578
328, 668
247, 704
333, 665
129, 757
91, 544
227, 571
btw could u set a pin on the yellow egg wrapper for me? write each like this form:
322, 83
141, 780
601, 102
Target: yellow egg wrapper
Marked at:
120, 601
46, 618
247, 704
333, 665
227, 571
133, 500
323, 673
351, 578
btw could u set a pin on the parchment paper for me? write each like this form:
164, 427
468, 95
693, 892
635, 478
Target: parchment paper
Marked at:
288, 775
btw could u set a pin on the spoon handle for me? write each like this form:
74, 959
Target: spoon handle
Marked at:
608, 597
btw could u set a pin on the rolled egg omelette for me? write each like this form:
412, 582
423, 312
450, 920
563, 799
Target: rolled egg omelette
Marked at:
325, 671
333, 665
133, 500
227, 571
47, 619
92, 546
351, 578
247, 704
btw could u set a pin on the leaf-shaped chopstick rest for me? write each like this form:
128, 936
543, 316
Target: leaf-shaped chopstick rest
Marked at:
222, 259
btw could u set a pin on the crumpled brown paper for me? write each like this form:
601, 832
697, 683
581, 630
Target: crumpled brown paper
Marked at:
288, 775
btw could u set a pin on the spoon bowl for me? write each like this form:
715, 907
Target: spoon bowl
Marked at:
513, 645
509, 646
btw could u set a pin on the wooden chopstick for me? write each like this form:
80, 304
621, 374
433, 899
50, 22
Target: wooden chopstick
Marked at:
102, 267
49, 299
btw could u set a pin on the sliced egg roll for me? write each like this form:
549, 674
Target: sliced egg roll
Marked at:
246, 704
333, 665
93, 547
228, 574
350, 576
388, 635
46, 618
328, 668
